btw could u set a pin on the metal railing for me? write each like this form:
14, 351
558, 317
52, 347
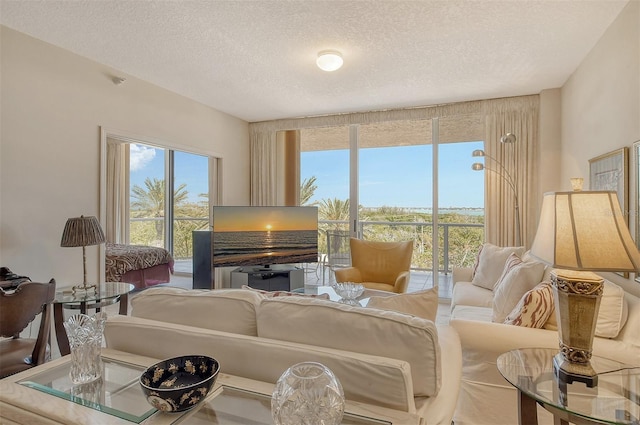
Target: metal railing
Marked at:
445, 228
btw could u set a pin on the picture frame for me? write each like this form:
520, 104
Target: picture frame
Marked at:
611, 172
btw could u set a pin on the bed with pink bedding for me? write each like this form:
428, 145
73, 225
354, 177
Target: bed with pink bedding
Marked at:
143, 266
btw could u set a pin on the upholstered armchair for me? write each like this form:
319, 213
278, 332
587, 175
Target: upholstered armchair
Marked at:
378, 265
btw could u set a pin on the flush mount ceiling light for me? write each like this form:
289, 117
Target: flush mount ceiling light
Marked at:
329, 60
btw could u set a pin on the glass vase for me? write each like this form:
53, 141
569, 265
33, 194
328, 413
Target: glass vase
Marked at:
85, 340
307, 393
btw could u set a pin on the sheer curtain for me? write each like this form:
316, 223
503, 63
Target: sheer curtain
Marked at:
263, 168
117, 219
518, 115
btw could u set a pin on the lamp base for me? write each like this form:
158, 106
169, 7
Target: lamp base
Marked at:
84, 288
568, 372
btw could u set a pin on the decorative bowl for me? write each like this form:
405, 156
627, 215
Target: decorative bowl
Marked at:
179, 383
348, 291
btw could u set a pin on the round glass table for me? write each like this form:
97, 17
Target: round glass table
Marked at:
107, 293
614, 400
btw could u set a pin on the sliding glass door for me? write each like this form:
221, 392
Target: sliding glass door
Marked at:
399, 180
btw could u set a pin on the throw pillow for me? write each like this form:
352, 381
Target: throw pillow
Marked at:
517, 278
613, 312
490, 264
612, 315
271, 294
534, 308
422, 304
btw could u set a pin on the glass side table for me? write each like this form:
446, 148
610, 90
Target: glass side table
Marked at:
107, 293
614, 400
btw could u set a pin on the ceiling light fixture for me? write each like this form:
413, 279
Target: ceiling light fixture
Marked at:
329, 60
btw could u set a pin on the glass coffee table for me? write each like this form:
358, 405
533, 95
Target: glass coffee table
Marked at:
614, 400
47, 392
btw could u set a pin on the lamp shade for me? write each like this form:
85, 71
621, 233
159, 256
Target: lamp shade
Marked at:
585, 231
82, 231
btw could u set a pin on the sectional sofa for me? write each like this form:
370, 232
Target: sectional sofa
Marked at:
381, 357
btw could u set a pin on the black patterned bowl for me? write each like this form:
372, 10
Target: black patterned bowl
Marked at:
178, 384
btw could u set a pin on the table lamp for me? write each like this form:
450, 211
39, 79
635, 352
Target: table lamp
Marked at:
82, 231
580, 233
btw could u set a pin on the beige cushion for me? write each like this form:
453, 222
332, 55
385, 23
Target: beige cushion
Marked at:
270, 294
517, 278
490, 264
534, 308
613, 311
420, 303
612, 316
359, 329
228, 310
466, 293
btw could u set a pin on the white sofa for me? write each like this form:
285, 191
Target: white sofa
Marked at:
381, 357
485, 396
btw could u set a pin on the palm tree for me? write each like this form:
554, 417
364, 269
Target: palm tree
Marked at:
334, 210
307, 189
149, 201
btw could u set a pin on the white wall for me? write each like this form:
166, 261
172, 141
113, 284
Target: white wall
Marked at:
601, 106
53, 104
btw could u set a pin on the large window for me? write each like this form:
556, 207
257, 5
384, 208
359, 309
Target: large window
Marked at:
384, 181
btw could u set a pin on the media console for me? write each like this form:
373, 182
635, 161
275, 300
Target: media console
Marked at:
274, 278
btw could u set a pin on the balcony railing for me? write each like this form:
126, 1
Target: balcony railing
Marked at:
459, 250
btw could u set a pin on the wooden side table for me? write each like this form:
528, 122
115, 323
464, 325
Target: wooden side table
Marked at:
107, 293
614, 400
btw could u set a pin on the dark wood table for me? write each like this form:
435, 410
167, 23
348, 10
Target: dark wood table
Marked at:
107, 293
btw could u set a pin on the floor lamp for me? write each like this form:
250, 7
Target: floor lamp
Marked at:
508, 138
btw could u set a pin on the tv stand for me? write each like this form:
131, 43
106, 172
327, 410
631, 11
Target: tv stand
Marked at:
274, 278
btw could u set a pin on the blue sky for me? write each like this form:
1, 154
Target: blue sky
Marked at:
189, 168
398, 176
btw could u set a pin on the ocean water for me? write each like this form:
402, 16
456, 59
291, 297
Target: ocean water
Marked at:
262, 243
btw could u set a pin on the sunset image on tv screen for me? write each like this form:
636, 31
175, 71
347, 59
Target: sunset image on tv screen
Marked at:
263, 236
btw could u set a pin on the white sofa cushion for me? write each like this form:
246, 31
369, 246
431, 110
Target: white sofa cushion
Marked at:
420, 303
228, 310
466, 293
613, 312
490, 264
359, 329
517, 278
368, 379
612, 316
534, 308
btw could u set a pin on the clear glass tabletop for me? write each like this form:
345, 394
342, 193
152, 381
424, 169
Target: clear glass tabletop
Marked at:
614, 400
117, 392
235, 406
106, 291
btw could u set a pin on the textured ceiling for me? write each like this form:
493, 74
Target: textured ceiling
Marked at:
256, 59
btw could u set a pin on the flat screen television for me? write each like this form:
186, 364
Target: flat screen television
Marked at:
264, 236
